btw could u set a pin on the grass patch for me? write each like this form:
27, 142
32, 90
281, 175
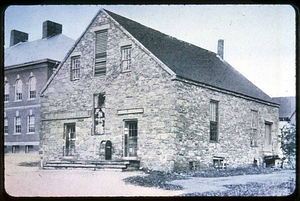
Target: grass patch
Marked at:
231, 172
252, 189
156, 179
30, 164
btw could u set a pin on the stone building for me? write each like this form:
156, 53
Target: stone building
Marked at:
27, 67
128, 92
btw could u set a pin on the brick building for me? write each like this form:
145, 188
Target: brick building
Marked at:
28, 65
128, 92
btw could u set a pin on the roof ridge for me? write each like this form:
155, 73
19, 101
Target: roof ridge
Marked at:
172, 37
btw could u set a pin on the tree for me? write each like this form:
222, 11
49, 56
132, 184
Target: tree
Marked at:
288, 143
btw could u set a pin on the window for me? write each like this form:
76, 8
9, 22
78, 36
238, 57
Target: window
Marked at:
100, 52
15, 149
32, 88
254, 125
28, 148
75, 68
6, 92
31, 124
18, 89
17, 124
5, 126
99, 114
132, 128
126, 58
213, 121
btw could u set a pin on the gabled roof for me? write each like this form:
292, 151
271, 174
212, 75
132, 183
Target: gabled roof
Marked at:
182, 59
191, 62
54, 48
287, 106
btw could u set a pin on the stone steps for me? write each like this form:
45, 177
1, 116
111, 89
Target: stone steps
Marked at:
105, 165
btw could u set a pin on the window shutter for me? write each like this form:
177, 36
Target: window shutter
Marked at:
101, 41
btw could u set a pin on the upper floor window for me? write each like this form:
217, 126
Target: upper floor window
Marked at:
126, 58
31, 124
17, 124
32, 88
100, 52
18, 89
6, 92
75, 68
213, 121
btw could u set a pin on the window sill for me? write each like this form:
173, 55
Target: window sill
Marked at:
30, 133
17, 134
6, 101
75, 79
30, 99
254, 146
98, 134
98, 75
5, 133
126, 71
17, 100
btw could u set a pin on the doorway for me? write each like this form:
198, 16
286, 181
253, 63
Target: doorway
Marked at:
130, 138
108, 152
70, 137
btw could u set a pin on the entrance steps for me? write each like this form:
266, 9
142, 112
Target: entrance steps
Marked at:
122, 165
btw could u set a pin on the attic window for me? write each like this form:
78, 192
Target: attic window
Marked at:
100, 52
75, 67
126, 58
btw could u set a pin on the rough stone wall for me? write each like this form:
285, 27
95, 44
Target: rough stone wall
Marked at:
146, 86
192, 127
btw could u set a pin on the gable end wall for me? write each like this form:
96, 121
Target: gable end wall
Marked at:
147, 86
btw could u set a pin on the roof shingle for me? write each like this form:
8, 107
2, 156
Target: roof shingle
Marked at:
191, 62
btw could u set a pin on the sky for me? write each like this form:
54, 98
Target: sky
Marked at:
259, 40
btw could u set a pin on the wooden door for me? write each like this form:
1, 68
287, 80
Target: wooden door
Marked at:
131, 132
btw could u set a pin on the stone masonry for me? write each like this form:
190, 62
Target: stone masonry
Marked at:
173, 128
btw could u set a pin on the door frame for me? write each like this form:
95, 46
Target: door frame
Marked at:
124, 139
66, 138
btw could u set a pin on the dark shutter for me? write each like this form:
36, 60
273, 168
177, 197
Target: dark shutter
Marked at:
100, 52
101, 41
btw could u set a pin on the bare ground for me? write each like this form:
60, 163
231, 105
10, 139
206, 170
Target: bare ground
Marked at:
23, 177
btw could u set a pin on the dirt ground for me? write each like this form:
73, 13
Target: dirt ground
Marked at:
31, 181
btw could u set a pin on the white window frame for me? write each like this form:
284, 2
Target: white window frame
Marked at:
6, 91
15, 124
75, 67
17, 87
28, 124
126, 57
30, 82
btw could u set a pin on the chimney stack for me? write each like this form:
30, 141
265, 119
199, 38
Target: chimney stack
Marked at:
51, 29
221, 48
17, 36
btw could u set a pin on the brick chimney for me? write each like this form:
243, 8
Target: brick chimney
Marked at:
221, 48
17, 36
51, 29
